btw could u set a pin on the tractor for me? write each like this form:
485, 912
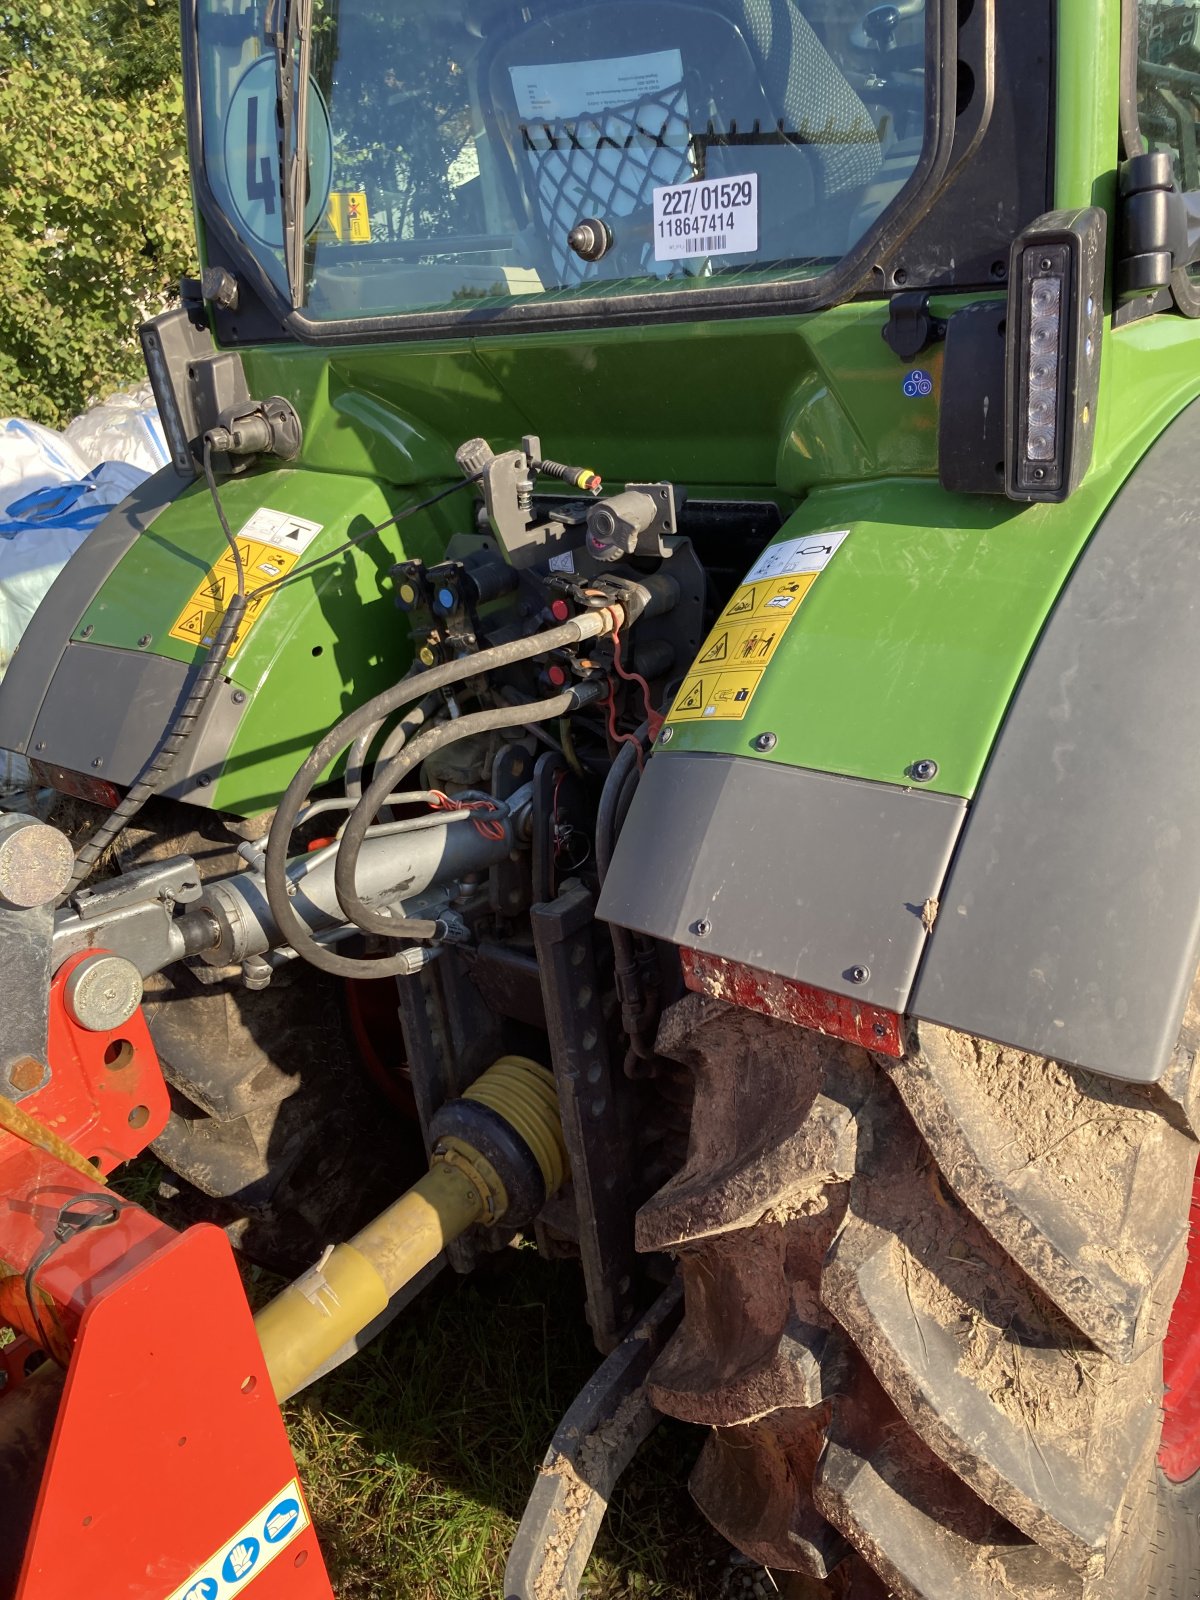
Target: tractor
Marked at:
663, 651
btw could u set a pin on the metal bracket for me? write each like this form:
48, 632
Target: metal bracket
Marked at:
592, 1445
132, 915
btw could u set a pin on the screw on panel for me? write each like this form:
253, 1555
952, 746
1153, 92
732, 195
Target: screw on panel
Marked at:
98, 762
766, 741
239, 697
858, 974
86, 633
702, 929
144, 640
923, 771
666, 736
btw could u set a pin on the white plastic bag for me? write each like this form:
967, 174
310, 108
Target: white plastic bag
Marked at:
125, 427
50, 500
32, 456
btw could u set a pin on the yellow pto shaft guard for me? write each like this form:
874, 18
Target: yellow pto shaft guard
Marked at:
498, 1155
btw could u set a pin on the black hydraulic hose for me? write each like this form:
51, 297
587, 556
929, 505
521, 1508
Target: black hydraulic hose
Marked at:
615, 799
588, 625
607, 820
154, 775
393, 774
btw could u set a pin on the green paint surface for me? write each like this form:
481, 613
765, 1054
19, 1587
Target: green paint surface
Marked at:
1087, 106
322, 643
910, 644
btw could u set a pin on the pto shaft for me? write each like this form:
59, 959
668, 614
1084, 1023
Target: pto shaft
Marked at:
498, 1155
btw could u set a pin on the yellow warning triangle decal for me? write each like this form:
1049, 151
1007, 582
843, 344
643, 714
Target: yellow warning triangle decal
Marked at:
745, 604
717, 651
694, 698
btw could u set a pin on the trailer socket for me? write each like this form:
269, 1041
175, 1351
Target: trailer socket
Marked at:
258, 428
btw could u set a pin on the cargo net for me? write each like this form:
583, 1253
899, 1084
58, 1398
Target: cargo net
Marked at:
608, 164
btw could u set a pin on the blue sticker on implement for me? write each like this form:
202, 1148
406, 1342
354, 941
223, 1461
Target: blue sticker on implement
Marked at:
281, 1519
227, 1573
918, 385
241, 1560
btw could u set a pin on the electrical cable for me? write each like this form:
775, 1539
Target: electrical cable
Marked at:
380, 527
211, 479
423, 746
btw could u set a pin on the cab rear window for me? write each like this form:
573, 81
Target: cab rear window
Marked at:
484, 152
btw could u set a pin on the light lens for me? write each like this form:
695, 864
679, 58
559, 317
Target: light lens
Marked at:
788, 1000
1045, 332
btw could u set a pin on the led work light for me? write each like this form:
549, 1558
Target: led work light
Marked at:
1055, 327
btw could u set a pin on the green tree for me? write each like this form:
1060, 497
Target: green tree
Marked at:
95, 209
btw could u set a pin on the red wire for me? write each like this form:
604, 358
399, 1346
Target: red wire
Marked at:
655, 719
486, 829
616, 738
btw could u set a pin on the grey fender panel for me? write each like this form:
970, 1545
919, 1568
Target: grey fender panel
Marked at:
1070, 924
36, 661
797, 872
106, 713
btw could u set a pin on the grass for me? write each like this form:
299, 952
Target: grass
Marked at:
418, 1456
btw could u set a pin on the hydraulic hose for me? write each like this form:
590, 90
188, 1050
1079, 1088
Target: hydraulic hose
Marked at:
588, 625
394, 773
615, 799
356, 761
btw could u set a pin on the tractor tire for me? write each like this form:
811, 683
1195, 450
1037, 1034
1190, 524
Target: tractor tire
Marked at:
925, 1304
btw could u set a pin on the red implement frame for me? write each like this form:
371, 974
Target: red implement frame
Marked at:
1179, 1450
168, 1474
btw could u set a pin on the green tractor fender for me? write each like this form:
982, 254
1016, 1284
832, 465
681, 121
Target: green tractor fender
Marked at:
108, 660
1069, 924
1052, 903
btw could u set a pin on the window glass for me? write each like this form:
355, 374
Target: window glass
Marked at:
1168, 83
473, 152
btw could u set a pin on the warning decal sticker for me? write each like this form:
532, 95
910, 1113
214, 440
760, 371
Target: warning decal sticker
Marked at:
252, 1548
270, 544
733, 659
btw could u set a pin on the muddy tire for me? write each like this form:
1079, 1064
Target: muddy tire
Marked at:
925, 1305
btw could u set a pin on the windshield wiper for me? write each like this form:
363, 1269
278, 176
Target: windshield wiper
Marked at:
289, 22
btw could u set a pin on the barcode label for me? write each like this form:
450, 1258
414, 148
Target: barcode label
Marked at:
707, 217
